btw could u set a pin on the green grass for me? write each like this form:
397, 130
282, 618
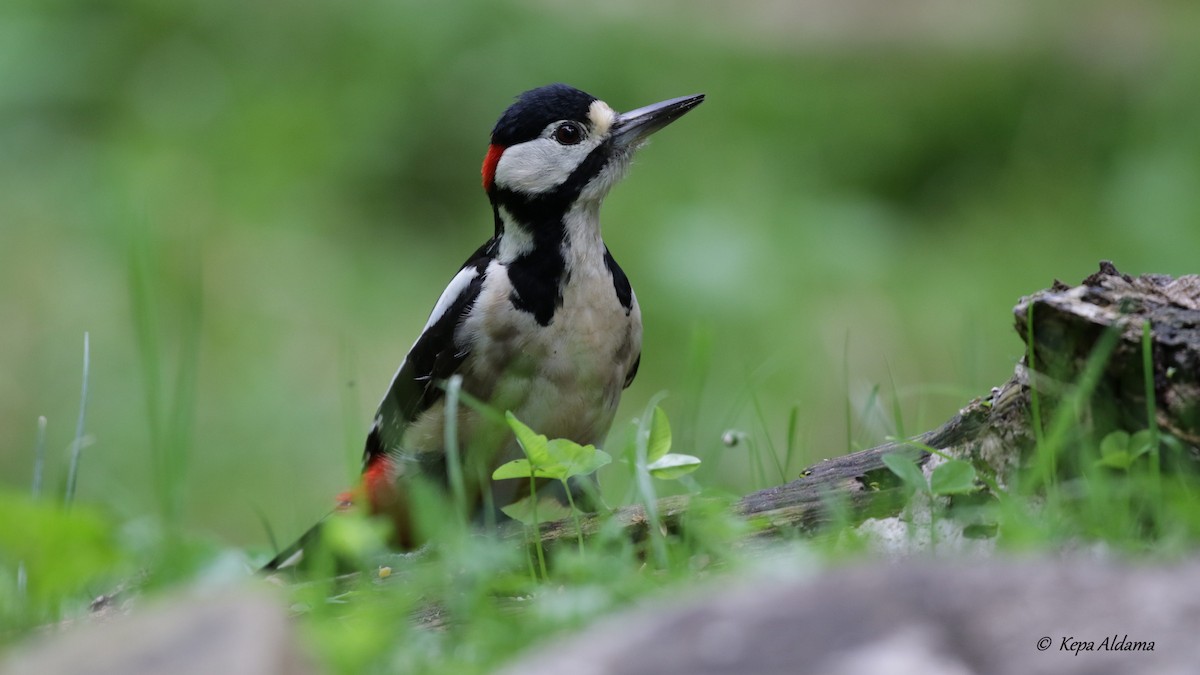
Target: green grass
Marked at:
472, 599
880, 208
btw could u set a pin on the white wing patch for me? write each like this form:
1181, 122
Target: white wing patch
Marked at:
457, 286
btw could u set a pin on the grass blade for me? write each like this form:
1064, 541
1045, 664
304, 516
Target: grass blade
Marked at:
454, 469
792, 423
766, 430
849, 412
1035, 402
39, 462
77, 446
645, 484
39, 457
1151, 408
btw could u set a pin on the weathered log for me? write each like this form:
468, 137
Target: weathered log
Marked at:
996, 432
1068, 322
858, 483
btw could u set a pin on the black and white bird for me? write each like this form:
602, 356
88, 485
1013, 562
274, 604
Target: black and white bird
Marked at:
540, 320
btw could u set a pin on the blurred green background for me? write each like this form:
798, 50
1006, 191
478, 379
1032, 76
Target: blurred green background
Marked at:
252, 207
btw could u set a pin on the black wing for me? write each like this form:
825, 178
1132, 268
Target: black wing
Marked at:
632, 371
625, 296
434, 357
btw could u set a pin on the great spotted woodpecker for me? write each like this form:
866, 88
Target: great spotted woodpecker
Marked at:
540, 321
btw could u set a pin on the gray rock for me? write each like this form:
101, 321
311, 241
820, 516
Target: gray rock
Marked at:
243, 634
919, 617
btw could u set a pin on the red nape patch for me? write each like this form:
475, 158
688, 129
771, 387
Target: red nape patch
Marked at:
489, 164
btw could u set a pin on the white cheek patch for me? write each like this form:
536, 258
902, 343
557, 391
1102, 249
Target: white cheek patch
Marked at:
538, 165
602, 117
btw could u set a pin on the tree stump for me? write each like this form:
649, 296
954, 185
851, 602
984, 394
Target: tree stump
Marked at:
1108, 310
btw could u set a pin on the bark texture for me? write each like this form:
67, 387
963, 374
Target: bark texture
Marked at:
1107, 311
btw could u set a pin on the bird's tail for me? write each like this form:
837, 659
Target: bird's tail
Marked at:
377, 495
292, 556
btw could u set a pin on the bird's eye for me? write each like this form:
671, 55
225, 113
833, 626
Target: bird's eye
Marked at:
568, 133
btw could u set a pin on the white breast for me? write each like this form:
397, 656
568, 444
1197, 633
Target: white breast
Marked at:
565, 379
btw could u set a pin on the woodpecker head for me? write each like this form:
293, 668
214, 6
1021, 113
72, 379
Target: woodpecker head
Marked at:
557, 145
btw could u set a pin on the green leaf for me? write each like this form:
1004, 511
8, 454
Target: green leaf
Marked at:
1116, 460
1116, 442
660, 436
518, 468
533, 443
572, 459
906, 470
1119, 450
673, 465
559, 459
1141, 443
354, 535
955, 477
66, 551
548, 508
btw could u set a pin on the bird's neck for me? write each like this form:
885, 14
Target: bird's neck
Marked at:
543, 255
572, 233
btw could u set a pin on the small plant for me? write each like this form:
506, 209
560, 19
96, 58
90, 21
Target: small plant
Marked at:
67, 552
954, 477
649, 455
1119, 449
660, 461
559, 459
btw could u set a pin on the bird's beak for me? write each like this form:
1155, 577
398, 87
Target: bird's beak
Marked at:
635, 126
